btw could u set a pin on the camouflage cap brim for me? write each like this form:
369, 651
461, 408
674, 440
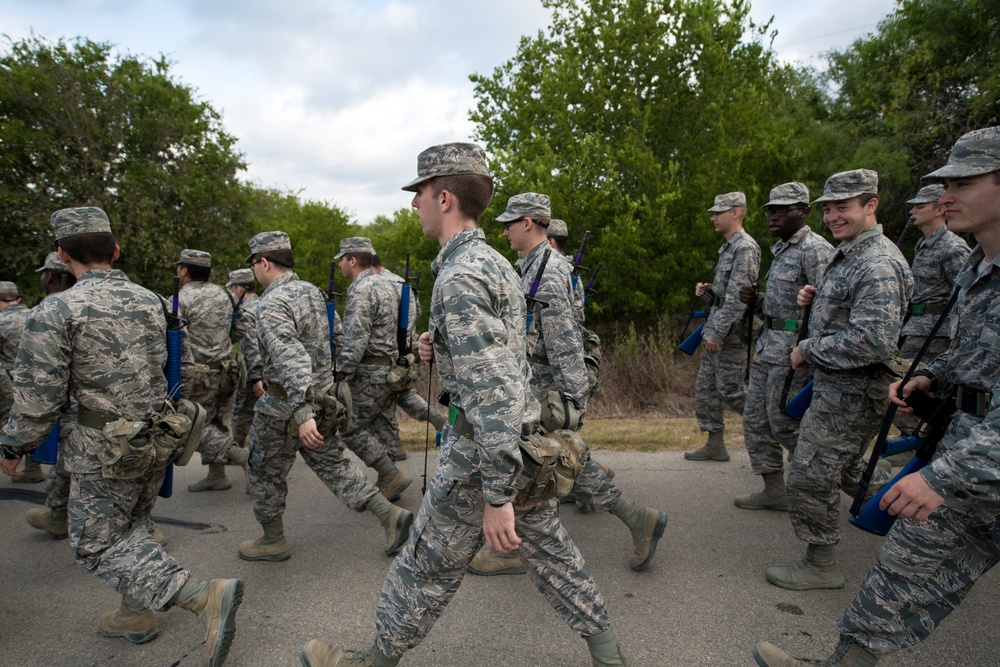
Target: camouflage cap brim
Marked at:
454, 159
974, 154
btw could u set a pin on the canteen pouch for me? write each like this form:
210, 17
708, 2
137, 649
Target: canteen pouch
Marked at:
559, 412
178, 428
127, 451
335, 409
234, 375
592, 356
403, 372
551, 464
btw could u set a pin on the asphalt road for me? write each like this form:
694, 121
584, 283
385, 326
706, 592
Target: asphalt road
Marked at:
703, 601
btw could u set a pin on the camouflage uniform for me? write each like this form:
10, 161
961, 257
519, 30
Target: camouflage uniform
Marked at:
11, 324
104, 342
722, 375
797, 262
489, 383
294, 336
369, 353
856, 317
208, 310
244, 332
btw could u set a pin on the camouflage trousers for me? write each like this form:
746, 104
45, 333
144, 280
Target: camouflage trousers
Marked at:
374, 415
911, 345
57, 487
109, 533
272, 454
446, 535
924, 570
594, 489
721, 381
767, 431
215, 439
834, 435
242, 415
387, 429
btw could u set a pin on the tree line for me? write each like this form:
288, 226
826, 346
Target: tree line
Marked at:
630, 114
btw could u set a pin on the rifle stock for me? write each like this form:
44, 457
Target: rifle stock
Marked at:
796, 408
531, 300
873, 519
175, 350
403, 319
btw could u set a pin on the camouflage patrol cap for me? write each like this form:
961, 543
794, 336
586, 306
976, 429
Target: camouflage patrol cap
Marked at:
53, 263
849, 184
240, 277
80, 220
788, 194
265, 241
355, 244
928, 193
557, 228
8, 290
195, 258
453, 159
526, 205
728, 201
975, 153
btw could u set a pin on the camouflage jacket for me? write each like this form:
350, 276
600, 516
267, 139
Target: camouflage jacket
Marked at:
103, 343
11, 323
370, 315
968, 457
857, 312
936, 263
209, 313
294, 337
554, 338
797, 262
476, 325
244, 332
739, 264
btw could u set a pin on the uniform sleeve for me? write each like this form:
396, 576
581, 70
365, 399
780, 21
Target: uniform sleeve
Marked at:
873, 323
249, 346
746, 265
289, 358
561, 336
973, 464
815, 257
953, 259
40, 378
483, 363
10, 335
357, 329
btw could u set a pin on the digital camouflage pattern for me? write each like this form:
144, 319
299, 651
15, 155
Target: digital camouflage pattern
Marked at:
721, 375
53, 263
209, 311
195, 258
926, 568
452, 159
557, 227
80, 220
240, 277
927, 194
766, 430
11, 324
244, 332
975, 153
477, 330
526, 205
853, 328
370, 316
728, 201
6, 394
849, 184
554, 342
294, 336
355, 244
8, 290
788, 194
105, 339
936, 263
266, 241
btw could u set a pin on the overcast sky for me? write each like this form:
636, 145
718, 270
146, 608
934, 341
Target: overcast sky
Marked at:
333, 99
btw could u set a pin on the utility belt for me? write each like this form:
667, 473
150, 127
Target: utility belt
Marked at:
781, 324
872, 371
375, 360
551, 462
335, 407
973, 401
927, 308
133, 448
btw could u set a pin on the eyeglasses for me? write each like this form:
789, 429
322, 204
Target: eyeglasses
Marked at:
783, 210
257, 261
506, 225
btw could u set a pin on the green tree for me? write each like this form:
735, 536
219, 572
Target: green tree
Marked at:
83, 125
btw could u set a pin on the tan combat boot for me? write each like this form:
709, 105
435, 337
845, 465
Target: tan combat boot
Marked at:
847, 654
271, 547
771, 498
33, 473
395, 520
714, 449
391, 480
138, 627
488, 563
159, 536
317, 653
605, 651
646, 525
216, 608
817, 570
216, 480
55, 524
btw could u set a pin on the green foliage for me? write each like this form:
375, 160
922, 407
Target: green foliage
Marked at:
81, 125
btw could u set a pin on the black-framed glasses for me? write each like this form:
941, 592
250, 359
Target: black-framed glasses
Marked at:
783, 210
257, 261
506, 225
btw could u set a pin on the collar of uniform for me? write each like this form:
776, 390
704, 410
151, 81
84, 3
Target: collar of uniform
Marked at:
364, 274
864, 238
467, 235
102, 274
733, 239
280, 280
533, 256
933, 238
795, 239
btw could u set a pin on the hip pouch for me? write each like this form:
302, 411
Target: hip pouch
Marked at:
404, 372
335, 409
234, 374
552, 462
133, 448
